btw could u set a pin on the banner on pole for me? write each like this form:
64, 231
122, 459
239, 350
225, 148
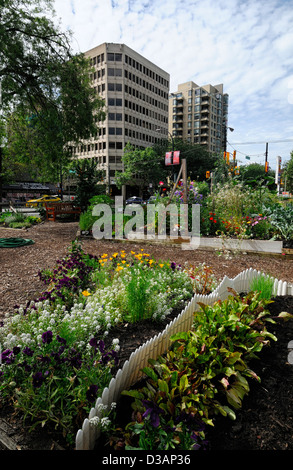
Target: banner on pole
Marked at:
168, 158
176, 156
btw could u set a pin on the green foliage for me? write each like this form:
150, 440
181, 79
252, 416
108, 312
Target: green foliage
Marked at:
142, 164
264, 285
87, 219
53, 100
87, 178
52, 382
18, 220
205, 373
254, 176
281, 218
198, 159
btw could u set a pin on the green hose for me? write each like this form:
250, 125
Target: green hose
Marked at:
13, 242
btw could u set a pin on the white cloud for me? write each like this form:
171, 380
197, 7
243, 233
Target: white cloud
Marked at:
244, 44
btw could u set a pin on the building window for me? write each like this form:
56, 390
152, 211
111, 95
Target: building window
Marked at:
115, 130
114, 102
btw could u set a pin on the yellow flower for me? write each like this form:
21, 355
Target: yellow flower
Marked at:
132, 252
114, 255
161, 265
86, 293
119, 268
123, 261
151, 261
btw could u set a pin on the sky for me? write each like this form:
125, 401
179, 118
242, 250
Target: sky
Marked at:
245, 44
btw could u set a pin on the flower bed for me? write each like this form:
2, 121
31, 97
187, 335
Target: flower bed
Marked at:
54, 362
205, 373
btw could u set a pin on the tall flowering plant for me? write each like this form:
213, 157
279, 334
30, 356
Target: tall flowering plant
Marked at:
193, 197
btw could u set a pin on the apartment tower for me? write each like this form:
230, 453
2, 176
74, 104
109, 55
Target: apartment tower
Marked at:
136, 94
199, 115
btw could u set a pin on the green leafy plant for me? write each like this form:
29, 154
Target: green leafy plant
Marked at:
205, 373
281, 217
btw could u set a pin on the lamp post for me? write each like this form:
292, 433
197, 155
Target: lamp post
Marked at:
226, 130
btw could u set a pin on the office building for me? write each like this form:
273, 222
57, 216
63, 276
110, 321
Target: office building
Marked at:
199, 115
136, 94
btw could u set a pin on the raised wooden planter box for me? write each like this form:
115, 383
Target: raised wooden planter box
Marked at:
256, 246
232, 244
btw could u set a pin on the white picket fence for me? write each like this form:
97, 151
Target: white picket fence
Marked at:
86, 438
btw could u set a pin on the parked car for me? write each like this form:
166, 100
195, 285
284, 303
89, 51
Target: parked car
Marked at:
135, 200
41, 201
151, 200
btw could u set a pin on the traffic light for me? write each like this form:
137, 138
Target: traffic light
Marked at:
237, 170
266, 167
208, 174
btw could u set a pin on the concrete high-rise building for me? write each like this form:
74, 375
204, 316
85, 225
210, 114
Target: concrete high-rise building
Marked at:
136, 94
199, 115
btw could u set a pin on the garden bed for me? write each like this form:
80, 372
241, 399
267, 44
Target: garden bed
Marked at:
19, 280
49, 242
265, 421
266, 247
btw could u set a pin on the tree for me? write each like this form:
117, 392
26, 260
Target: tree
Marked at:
198, 159
87, 177
46, 93
254, 175
141, 167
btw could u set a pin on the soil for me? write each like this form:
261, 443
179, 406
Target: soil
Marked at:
266, 420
